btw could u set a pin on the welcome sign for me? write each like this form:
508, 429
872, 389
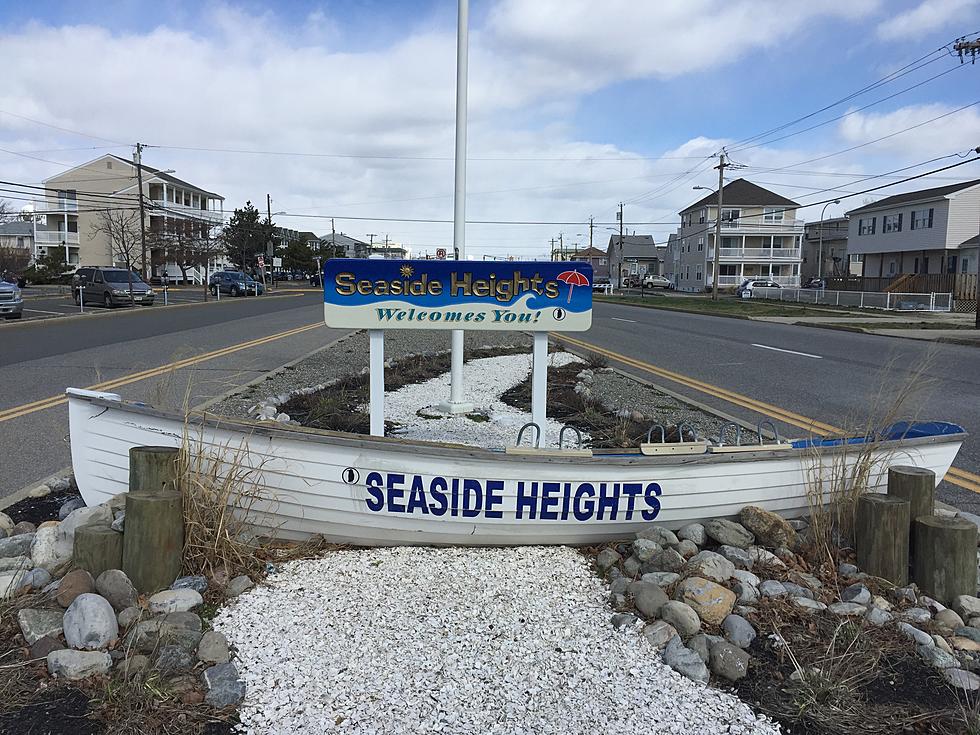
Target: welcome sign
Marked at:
457, 294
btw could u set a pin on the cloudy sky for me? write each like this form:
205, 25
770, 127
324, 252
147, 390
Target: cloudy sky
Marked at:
346, 108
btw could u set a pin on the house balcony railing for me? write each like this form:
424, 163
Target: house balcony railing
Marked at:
158, 206
55, 237
758, 226
790, 281
757, 253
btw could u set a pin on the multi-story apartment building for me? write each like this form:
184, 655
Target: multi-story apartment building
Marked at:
928, 231
829, 238
760, 237
68, 213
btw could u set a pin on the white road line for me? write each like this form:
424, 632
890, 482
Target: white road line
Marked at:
791, 352
622, 320
56, 313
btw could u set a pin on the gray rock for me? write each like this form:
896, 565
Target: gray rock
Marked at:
134, 665
36, 624
48, 549
660, 536
605, 559
746, 594
916, 615
968, 632
877, 616
665, 560
35, 579
738, 631
224, 687
661, 579
772, 588
682, 617
904, 594
745, 610
23, 527
10, 583
919, 636
701, 645
73, 665
769, 528
239, 585
797, 590
765, 558
619, 620
933, 606
16, 563
962, 679
937, 658
644, 549
809, 604
114, 585
728, 532
847, 570
648, 598
808, 580
173, 660
196, 582
685, 548
856, 593
619, 586
739, 557
685, 661
949, 619
181, 629
90, 622
617, 601
729, 661
119, 522
746, 577
967, 606
170, 601
6, 525
127, 617
659, 633
631, 566
693, 532
711, 566
847, 609
19, 545
69, 506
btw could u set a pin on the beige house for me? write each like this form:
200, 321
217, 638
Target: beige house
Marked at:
68, 213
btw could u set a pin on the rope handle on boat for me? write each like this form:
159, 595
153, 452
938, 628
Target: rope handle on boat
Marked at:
561, 436
663, 433
537, 429
738, 434
771, 425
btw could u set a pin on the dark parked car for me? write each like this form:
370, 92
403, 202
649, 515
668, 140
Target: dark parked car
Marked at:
234, 283
817, 283
110, 287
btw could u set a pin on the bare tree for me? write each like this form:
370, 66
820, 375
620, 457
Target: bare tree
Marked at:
7, 212
14, 259
209, 245
121, 227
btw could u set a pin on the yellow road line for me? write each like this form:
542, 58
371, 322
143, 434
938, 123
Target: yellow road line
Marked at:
955, 475
57, 400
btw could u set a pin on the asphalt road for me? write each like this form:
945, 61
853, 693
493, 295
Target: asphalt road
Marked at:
840, 378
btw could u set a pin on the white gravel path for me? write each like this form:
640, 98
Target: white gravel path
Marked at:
481, 641
486, 380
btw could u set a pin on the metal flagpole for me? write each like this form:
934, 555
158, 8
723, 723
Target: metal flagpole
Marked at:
456, 404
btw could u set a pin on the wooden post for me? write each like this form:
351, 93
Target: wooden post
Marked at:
945, 561
98, 548
153, 470
916, 485
153, 543
881, 537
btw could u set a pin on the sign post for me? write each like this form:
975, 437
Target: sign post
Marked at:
535, 297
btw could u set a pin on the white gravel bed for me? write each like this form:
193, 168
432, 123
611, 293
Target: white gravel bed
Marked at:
486, 380
422, 640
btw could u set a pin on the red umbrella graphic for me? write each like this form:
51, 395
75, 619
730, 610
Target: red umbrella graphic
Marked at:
573, 279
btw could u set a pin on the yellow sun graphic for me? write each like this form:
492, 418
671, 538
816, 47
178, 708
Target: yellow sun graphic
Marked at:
407, 271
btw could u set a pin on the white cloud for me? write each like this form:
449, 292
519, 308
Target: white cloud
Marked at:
929, 15
957, 132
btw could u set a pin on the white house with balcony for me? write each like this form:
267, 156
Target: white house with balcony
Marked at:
760, 238
175, 212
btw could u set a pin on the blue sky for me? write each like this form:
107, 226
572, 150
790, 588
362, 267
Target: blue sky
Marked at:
585, 94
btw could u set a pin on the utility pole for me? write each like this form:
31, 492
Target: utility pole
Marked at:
619, 266
717, 264
333, 240
552, 251
269, 246
371, 235
139, 183
963, 47
561, 246
591, 225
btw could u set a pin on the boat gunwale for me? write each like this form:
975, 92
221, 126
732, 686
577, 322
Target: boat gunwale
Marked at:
627, 456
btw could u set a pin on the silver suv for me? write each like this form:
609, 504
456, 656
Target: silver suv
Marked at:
110, 287
11, 303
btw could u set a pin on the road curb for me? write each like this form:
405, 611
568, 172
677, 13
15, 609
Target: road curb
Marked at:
859, 330
26, 492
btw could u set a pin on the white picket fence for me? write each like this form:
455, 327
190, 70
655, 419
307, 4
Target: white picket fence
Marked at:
859, 299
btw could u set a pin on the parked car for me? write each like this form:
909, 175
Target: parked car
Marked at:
744, 291
11, 302
816, 283
652, 281
19, 281
631, 281
110, 287
234, 283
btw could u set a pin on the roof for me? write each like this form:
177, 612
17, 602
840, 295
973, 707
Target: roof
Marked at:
17, 227
975, 240
916, 196
589, 252
307, 235
339, 238
745, 193
636, 246
165, 177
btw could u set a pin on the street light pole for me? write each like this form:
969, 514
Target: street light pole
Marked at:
820, 250
139, 184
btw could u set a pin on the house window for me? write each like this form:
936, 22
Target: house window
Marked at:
728, 269
700, 276
922, 219
729, 217
891, 267
772, 214
602, 261
700, 244
703, 216
67, 199
866, 226
777, 242
964, 264
729, 242
856, 257
108, 164
891, 223
951, 264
